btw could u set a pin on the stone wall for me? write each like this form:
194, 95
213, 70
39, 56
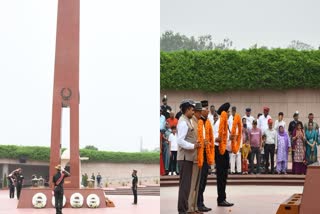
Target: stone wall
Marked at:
111, 172
287, 101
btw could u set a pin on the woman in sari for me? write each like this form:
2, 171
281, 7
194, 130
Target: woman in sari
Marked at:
311, 144
166, 148
282, 150
298, 163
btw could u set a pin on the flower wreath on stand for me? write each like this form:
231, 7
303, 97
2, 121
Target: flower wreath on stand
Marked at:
76, 200
93, 201
39, 200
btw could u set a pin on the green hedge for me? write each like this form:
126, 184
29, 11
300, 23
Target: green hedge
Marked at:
222, 70
43, 154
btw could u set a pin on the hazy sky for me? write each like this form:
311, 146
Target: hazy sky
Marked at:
119, 73
273, 23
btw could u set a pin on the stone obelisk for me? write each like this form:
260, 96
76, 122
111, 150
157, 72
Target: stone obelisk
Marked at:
66, 87
65, 95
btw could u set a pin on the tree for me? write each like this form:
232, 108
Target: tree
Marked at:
225, 45
300, 46
91, 147
170, 41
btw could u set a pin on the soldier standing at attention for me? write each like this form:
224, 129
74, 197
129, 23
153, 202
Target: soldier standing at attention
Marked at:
19, 180
58, 180
135, 186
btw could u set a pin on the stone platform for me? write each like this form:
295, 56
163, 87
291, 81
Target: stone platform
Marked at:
123, 205
248, 199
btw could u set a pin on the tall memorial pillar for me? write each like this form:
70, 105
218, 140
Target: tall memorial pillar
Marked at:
65, 95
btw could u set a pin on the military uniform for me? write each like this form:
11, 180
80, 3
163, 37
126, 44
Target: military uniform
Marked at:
19, 180
58, 190
11, 186
135, 187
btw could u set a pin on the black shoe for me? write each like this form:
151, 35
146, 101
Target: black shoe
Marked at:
207, 208
225, 204
203, 209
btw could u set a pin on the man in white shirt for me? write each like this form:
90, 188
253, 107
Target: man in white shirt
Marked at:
187, 150
249, 118
280, 122
270, 146
211, 113
235, 159
196, 171
263, 119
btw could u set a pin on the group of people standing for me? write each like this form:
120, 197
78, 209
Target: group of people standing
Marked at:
193, 141
198, 148
85, 178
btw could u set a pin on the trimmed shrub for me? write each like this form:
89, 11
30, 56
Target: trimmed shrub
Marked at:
43, 154
223, 70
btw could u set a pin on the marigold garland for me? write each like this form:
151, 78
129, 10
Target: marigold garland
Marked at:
235, 143
210, 146
223, 130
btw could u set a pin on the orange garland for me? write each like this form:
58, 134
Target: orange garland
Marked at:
235, 143
223, 130
210, 145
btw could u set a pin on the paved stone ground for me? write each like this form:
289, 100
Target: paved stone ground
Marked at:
123, 205
247, 199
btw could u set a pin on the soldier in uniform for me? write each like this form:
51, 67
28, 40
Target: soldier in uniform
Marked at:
165, 108
12, 180
19, 181
135, 186
58, 180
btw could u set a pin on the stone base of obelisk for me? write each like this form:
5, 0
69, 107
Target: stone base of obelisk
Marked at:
26, 195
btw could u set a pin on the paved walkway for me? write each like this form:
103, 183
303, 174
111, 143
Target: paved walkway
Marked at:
123, 205
247, 199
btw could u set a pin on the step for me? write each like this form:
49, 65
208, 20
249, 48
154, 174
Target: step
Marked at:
244, 177
275, 182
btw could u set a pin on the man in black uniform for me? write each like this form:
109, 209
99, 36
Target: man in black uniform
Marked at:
12, 178
19, 180
11, 187
205, 166
165, 108
135, 186
222, 165
58, 180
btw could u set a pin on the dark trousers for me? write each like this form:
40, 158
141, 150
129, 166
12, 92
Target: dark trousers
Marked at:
173, 162
203, 182
11, 191
19, 187
185, 169
135, 195
269, 150
222, 166
255, 152
58, 197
